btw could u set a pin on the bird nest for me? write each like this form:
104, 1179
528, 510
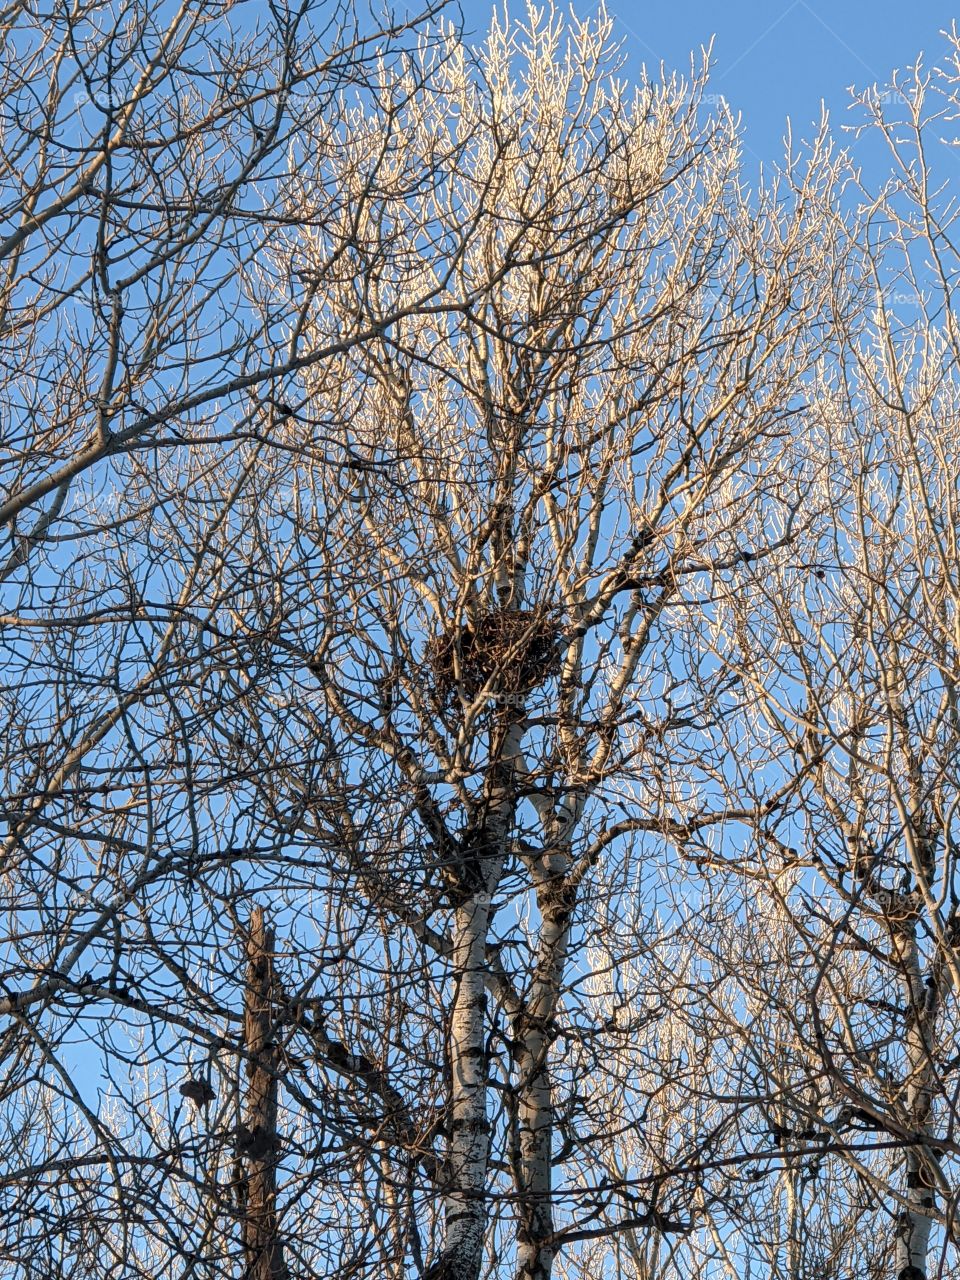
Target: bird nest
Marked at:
511, 651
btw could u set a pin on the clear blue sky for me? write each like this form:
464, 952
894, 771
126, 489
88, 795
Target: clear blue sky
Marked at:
773, 58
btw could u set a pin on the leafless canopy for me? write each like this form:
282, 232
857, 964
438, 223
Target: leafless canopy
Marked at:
479, 731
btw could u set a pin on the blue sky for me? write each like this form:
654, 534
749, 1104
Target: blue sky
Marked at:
773, 58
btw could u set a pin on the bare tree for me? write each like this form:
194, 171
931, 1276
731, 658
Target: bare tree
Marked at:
471, 618
146, 151
473, 439
845, 646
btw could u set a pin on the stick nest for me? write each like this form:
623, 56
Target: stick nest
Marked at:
515, 650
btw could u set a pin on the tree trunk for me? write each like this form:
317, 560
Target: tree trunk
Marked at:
912, 1233
258, 1142
535, 1250
468, 1145
535, 1106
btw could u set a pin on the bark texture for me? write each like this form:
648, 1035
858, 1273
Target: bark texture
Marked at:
915, 1219
258, 1143
468, 1146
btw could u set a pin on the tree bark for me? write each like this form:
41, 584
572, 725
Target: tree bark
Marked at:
914, 1221
533, 1158
468, 1145
258, 1142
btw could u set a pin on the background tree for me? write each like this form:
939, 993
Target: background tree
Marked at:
846, 649
145, 155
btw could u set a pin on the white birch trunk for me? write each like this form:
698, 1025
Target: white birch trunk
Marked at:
468, 1144
468, 1148
793, 1219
